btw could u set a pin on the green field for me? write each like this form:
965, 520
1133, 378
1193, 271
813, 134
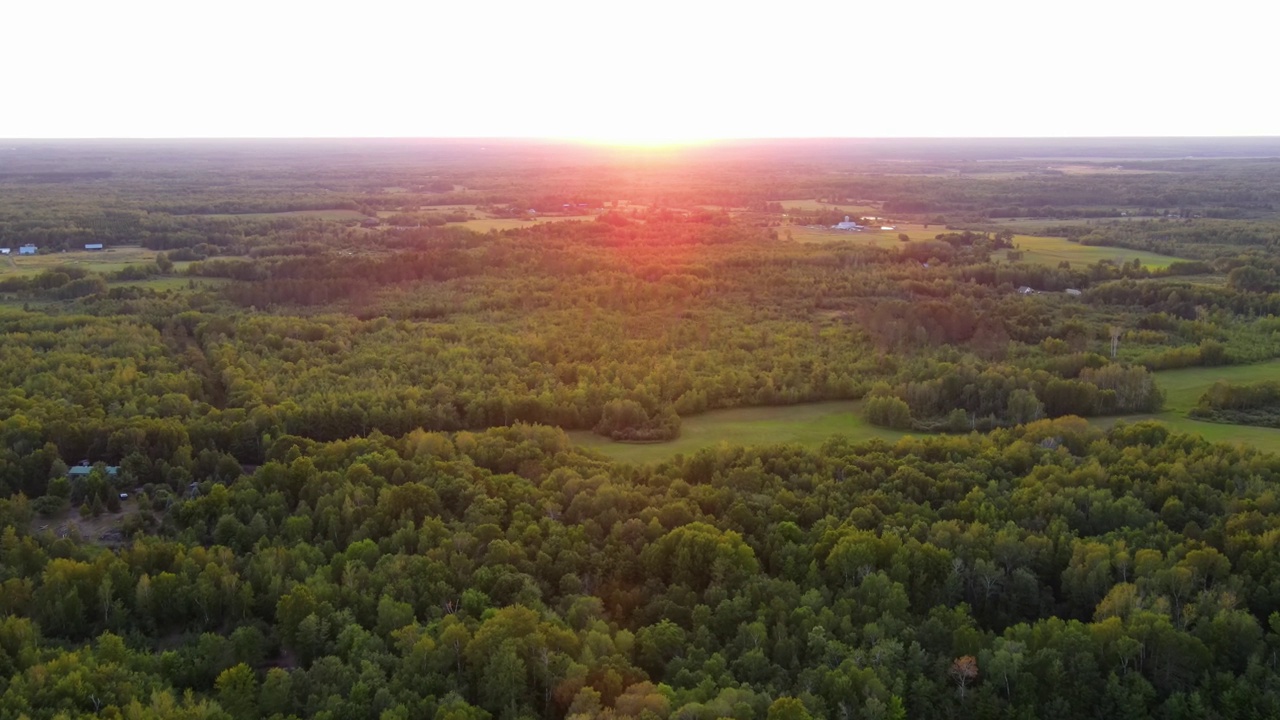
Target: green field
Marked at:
318, 214
1053, 250
1183, 389
1036, 249
812, 423
808, 424
811, 204
109, 260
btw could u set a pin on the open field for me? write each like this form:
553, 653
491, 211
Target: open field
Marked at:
109, 260
812, 204
487, 224
811, 424
808, 424
439, 209
1052, 250
1183, 389
317, 214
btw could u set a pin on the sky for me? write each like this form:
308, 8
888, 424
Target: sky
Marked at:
622, 71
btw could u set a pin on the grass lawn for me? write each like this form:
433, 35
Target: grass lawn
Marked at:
1052, 250
809, 424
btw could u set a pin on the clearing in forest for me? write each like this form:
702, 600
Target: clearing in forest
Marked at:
810, 424
1053, 250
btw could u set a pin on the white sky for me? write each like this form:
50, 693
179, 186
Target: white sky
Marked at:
636, 71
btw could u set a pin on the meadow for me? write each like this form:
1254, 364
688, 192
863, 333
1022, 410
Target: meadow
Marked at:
487, 224
1053, 250
336, 215
108, 260
808, 424
811, 204
1036, 250
811, 424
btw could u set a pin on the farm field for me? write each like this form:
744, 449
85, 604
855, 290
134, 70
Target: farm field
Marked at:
811, 424
109, 260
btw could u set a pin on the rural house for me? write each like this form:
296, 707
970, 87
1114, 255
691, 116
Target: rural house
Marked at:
4, 251
27, 250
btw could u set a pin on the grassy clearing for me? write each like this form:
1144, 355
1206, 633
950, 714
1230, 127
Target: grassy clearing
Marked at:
109, 260
487, 224
318, 214
1037, 226
815, 205
1052, 250
811, 424
1183, 389
438, 209
1104, 170
175, 282
90, 528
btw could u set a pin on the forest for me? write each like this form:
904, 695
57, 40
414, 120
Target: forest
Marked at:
296, 444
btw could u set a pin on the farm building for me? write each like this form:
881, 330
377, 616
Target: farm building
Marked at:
93, 246
27, 250
1074, 292
4, 251
846, 225
888, 227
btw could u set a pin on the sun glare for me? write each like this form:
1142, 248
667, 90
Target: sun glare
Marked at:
641, 141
